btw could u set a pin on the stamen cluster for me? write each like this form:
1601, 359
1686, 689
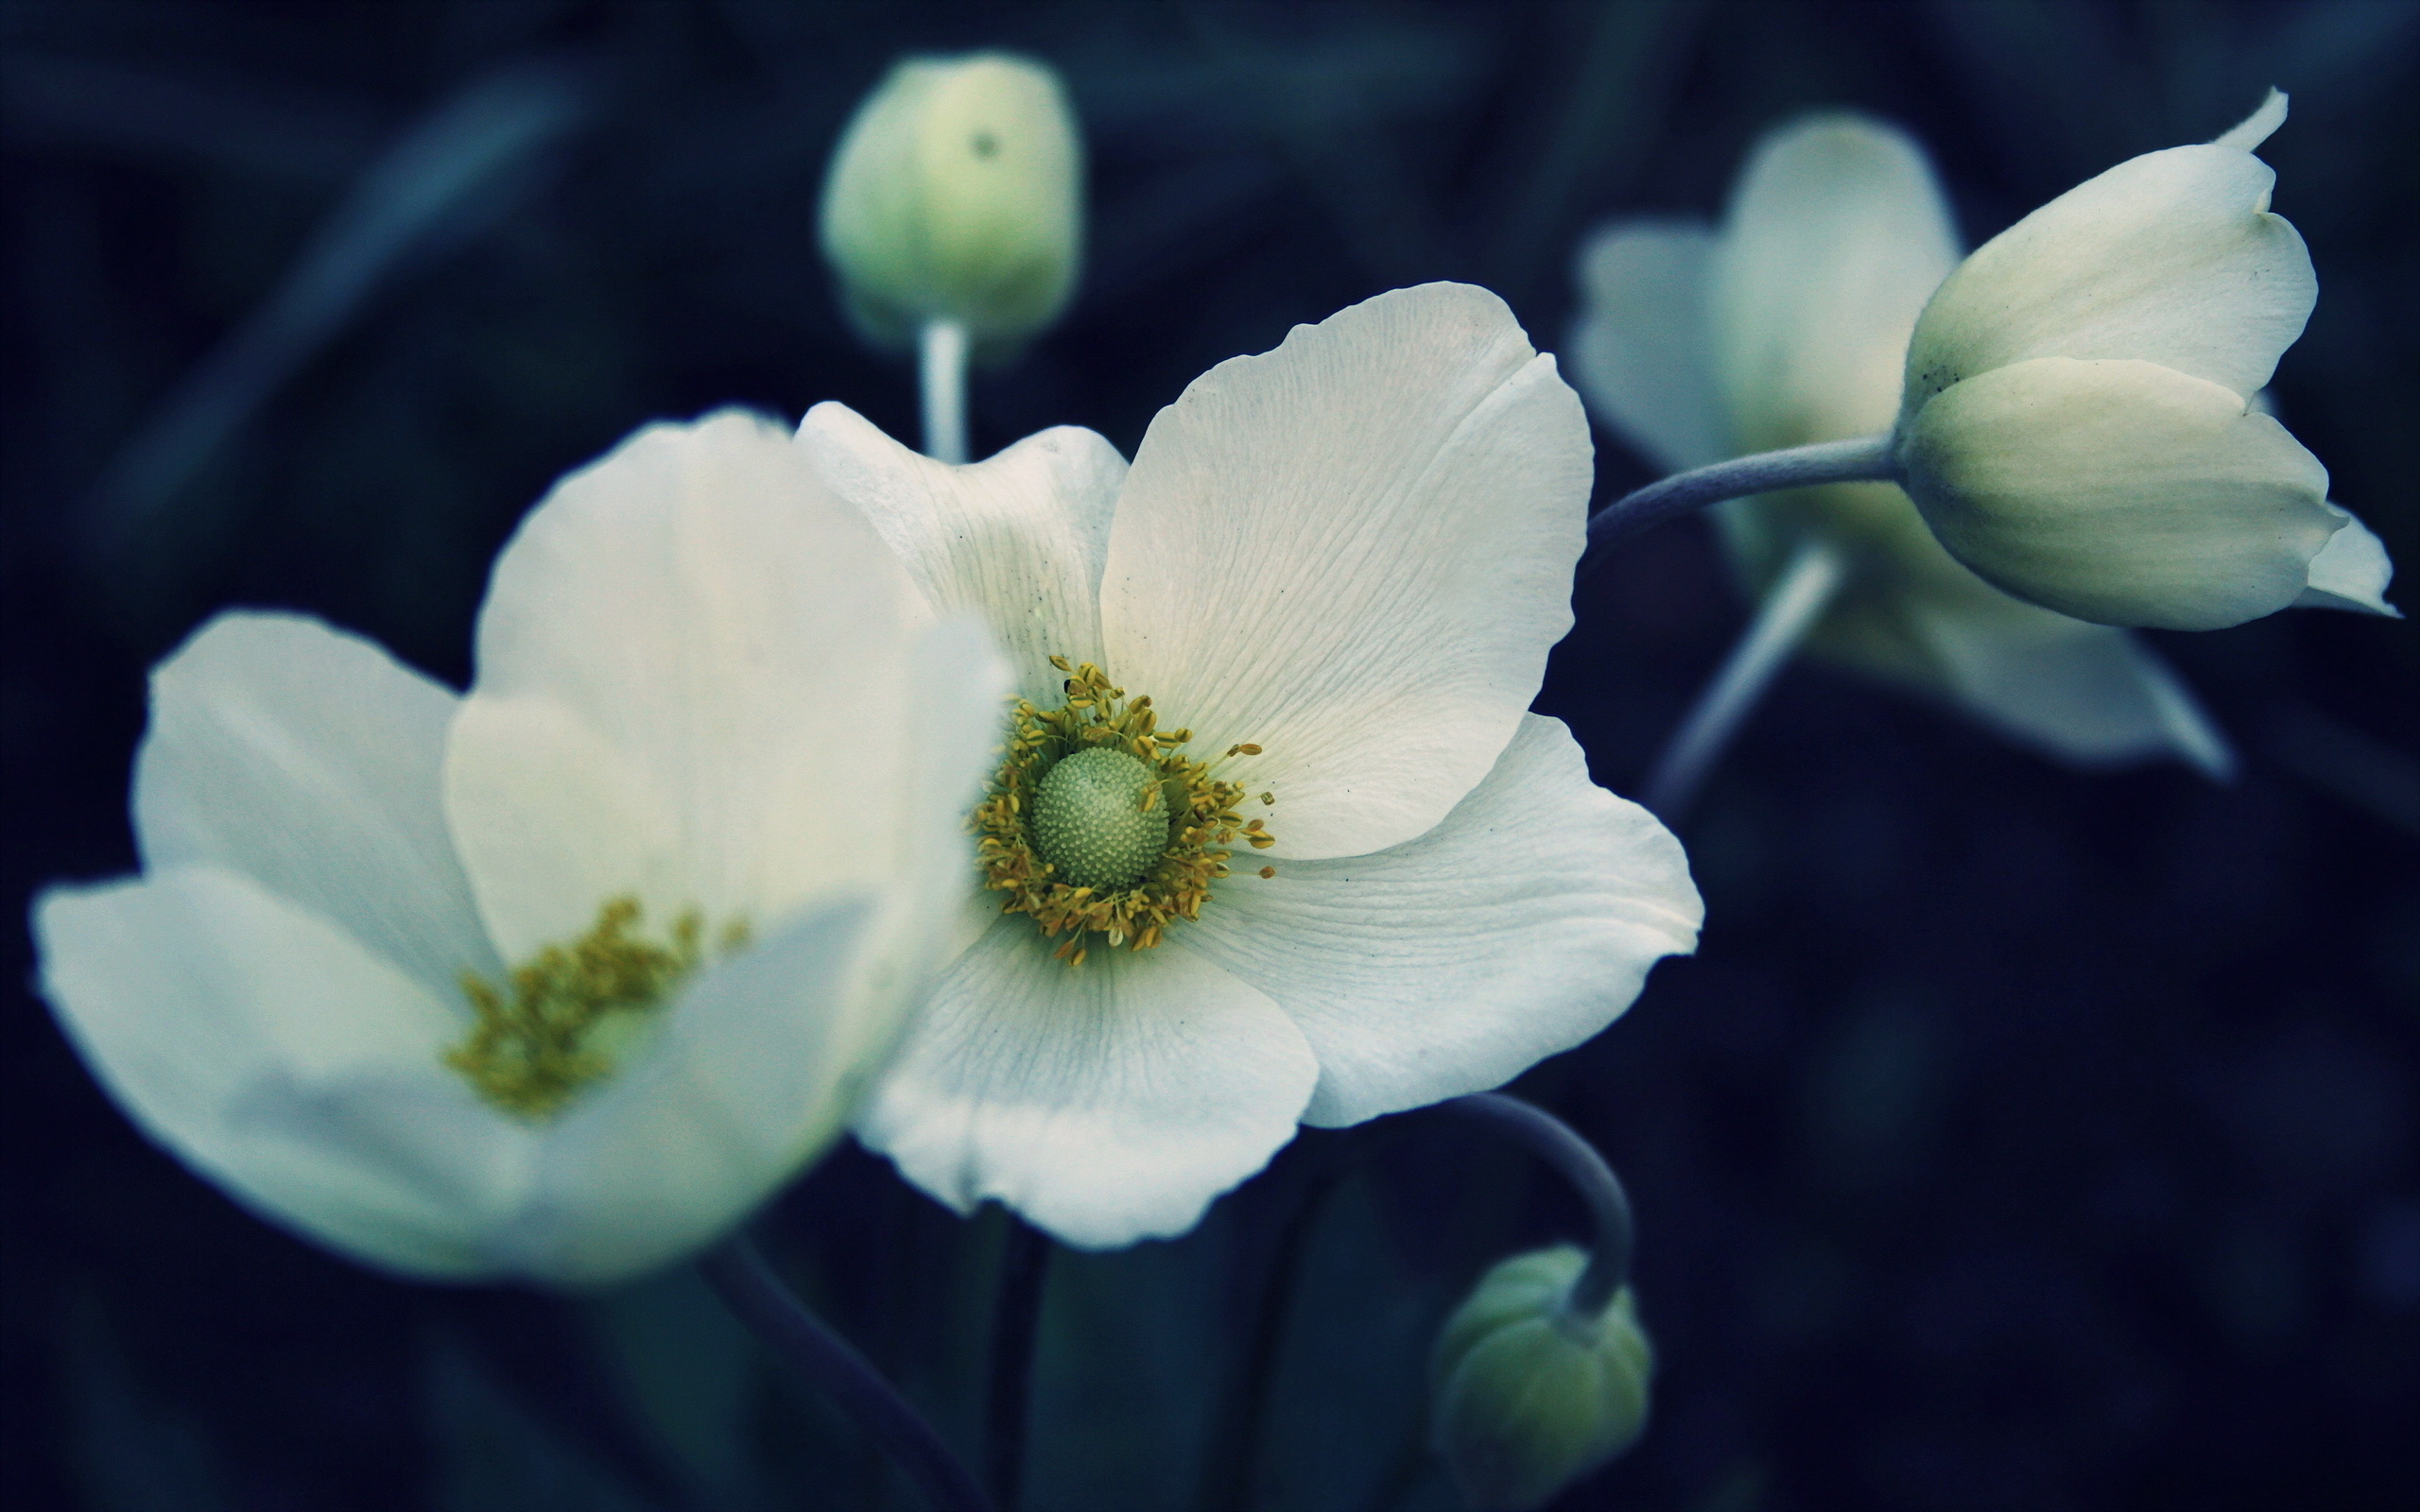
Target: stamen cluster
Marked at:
1202, 808
532, 1051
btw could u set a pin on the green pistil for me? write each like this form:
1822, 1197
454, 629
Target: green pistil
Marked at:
1100, 818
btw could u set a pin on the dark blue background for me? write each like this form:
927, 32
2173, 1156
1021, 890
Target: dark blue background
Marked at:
2018, 1137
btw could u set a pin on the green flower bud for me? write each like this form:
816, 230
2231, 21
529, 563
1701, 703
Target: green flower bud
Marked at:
957, 195
1527, 1395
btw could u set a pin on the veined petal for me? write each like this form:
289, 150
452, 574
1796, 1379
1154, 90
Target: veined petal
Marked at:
1836, 236
1354, 551
229, 1023
1017, 539
1107, 1104
309, 761
2350, 572
752, 1074
2120, 492
2172, 257
1518, 927
697, 634
2090, 695
1642, 349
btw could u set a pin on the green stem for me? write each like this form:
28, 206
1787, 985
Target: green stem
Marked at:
1861, 459
1790, 609
1016, 1321
738, 1273
941, 373
1559, 1146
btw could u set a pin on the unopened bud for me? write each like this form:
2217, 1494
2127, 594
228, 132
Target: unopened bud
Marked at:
1527, 1394
957, 195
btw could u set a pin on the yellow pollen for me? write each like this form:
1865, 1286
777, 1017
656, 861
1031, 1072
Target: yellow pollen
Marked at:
1127, 902
552, 1027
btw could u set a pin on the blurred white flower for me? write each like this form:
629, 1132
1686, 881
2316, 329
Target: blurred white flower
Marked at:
559, 979
2076, 422
957, 195
1791, 325
1339, 566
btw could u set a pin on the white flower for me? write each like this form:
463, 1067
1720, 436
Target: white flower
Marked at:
956, 193
1792, 326
1340, 565
2077, 423
696, 809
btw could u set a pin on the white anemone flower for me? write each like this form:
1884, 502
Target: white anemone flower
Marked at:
1335, 571
1791, 325
561, 979
2078, 421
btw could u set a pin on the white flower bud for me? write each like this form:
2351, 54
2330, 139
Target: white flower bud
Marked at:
1527, 1394
957, 195
2076, 422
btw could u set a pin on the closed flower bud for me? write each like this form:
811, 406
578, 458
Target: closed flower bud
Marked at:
2076, 422
1528, 1394
957, 195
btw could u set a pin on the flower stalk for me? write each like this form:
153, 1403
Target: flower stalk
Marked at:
1796, 601
740, 1276
1860, 459
941, 372
1559, 1146
1016, 1322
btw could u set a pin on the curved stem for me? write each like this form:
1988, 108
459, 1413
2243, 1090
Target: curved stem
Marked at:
824, 1360
1791, 608
1861, 459
1016, 1318
941, 373
1557, 1143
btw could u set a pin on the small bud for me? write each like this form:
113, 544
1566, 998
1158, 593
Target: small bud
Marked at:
1527, 1395
956, 193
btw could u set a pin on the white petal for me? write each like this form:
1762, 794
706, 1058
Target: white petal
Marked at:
1016, 540
1107, 1103
555, 819
1517, 928
1641, 351
1354, 551
704, 653
751, 1076
2247, 134
2120, 492
2088, 694
1837, 236
2350, 572
2171, 258
309, 761
233, 1026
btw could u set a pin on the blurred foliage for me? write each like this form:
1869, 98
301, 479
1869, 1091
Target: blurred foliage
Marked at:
2017, 1139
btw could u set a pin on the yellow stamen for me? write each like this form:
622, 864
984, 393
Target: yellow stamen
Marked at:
1202, 821
550, 1030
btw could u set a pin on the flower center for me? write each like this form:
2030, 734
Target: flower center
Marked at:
1098, 824
562, 1019
1099, 817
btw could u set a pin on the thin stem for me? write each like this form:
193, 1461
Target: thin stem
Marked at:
1243, 1413
1016, 1318
826, 1361
941, 372
1861, 460
1790, 609
1557, 1143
